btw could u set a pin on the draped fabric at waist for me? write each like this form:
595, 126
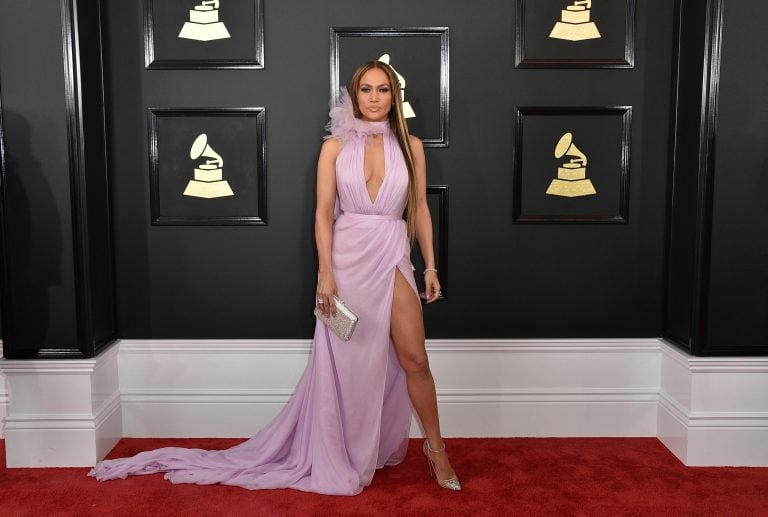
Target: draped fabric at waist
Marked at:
365, 249
362, 217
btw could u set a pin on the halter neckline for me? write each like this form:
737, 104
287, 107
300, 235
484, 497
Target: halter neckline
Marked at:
344, 125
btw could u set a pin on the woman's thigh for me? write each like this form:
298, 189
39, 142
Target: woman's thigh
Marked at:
407, 324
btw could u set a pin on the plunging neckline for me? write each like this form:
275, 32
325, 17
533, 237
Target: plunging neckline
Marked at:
384, 178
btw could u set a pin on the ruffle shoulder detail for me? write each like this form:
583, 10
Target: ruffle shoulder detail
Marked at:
344, 125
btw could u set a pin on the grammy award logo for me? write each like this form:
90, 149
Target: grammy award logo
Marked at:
575, 23
204, 24
207, 183
407, 110
571, 178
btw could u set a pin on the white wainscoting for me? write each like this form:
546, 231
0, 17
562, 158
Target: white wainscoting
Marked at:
3, 401
61, 413
485, 388
707, 411
206, 388
713, 410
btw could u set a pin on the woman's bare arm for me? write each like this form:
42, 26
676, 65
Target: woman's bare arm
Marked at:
324, 207
424, 222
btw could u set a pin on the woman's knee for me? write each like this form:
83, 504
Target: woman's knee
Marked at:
415, 363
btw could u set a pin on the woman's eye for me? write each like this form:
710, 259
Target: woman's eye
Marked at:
384, 90
365, 90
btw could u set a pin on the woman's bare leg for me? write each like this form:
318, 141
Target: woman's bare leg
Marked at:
407, 329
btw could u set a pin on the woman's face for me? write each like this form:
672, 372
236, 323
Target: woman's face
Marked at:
374, 95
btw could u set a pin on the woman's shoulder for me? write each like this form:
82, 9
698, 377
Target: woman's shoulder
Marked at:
417, 148
415, 142
331, 146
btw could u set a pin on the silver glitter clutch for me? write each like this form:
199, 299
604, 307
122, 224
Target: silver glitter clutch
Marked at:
343, 324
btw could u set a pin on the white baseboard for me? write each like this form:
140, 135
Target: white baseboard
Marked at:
63, 413
714, 411
485, 388
707, 411
206, 388
3, 402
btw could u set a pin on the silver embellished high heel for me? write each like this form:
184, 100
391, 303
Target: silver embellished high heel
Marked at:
450, 484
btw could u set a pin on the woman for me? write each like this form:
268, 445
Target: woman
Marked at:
350, 413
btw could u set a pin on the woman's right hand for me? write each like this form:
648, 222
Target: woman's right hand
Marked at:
325, 293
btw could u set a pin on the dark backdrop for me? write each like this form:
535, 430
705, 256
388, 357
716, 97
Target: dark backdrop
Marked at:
507, 280
737, 312
36, 183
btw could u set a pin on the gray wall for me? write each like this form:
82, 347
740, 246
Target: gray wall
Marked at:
683, 266
506, 279
737, 312
37, 207
717, 275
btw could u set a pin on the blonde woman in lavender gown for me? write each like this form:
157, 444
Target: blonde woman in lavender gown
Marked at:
351, 411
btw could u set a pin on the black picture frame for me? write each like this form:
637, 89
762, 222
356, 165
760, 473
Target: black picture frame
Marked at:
437, 200
615, 48
603, 134
242, 49
422, 56
238, 135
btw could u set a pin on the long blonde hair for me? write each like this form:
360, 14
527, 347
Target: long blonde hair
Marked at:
397, 122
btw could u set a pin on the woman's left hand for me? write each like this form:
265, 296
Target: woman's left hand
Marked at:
432, 284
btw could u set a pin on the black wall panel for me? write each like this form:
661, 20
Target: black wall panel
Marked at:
56, 268
737, 312
507, 280
88, 172
39, 297
685, 249
717, 277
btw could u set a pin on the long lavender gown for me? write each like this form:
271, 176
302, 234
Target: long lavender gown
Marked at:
350, 413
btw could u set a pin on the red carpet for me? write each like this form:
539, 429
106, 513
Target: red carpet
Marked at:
520, 476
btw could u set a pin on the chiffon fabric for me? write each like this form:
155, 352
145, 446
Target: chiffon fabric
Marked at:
350, 413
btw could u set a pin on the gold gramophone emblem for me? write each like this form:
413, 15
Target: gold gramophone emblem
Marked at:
204, 24
571, 178
407, 110
575, 23
208, 182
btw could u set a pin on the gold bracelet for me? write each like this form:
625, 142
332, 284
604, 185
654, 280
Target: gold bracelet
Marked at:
428, 270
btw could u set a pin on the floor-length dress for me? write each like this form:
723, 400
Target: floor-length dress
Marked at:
350, 413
